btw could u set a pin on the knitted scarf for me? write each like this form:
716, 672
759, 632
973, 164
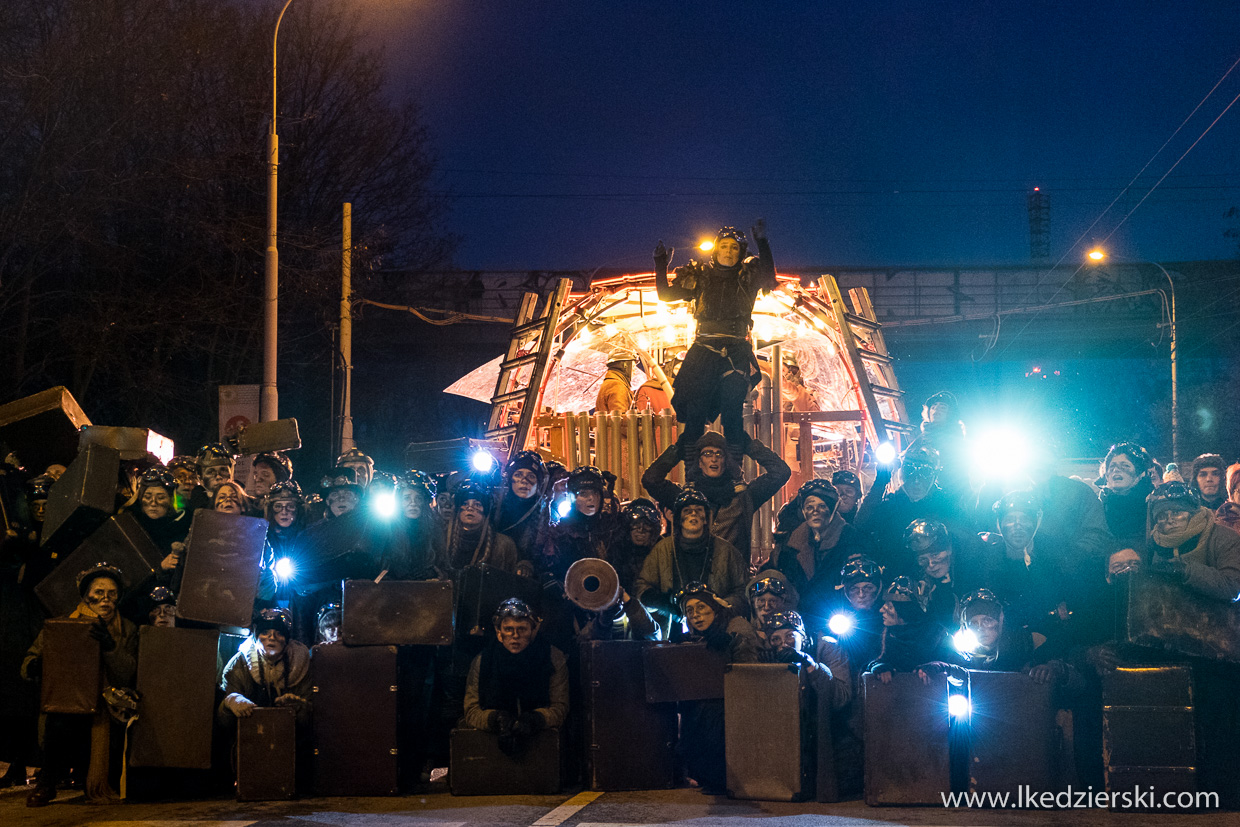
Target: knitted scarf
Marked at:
1199, 525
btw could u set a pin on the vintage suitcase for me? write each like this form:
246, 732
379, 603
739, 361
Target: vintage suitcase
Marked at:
176, 684
81, 500
355, 712
483, 588
263, 437
1013, 739
72, 679
828, 784
682, 672
397, 613
267, 755
1166, 615
42, 429
630, 744
222, 555
479, 767
907, 747
121, 542
133, 444
770, 745
1149, 728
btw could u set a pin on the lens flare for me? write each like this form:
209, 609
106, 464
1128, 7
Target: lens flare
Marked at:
840, 624
285, 569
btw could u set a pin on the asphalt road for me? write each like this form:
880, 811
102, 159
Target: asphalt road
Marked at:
681, 808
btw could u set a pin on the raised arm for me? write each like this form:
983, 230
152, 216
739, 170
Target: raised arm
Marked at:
775, 472
667, 292
766, 262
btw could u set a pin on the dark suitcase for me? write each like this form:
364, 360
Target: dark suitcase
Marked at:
827, 783
133, 444
397, 613
479, 767
1013, 739
630, 744
121, 542
483, 588
1149, 728
42, 429
263, 437
81, 500
176, 685
682, 672
267, 755
907, 747
222, 555
769, 740
355, 711
72, 678
1166, 615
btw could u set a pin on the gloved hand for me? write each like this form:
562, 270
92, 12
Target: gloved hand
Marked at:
661, 603
758, 229
717, 638
528, 723
99, 631
788, 654
882, 475
663, 256
239, 705
1172, 568
502, 722
1052, 672
34, 669
289, 699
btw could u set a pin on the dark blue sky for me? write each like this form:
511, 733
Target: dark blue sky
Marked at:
577, 134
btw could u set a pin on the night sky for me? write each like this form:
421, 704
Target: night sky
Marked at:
577, 134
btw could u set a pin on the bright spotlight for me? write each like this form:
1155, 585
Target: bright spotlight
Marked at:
706, 246
383, 504
482, 462
966, 641
1001, 453
285, 569
1097, 255
885, 453
958, 706
563, 507
840, 624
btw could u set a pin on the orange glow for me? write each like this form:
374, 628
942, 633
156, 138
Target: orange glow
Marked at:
1097, 255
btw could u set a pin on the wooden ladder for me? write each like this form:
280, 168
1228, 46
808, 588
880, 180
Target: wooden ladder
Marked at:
862, 337
515, 401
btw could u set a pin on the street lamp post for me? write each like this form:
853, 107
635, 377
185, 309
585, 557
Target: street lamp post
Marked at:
269, 406
1099, 255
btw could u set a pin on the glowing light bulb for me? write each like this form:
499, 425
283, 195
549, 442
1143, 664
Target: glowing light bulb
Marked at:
840, 624
285, 569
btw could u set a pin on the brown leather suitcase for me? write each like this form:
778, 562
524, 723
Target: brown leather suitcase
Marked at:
630, 744
42, 429
72, 678
1149, 728
1013, 739
397, 613
355, 718
267, 755
81, 500
262, 437
770, 743
1166, 615
907, 746
176, 684
479, 767
682, 672
222, 555
121, 542
133, 444
483, 588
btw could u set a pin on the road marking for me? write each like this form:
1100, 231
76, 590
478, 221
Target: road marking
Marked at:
566, 810
163, 823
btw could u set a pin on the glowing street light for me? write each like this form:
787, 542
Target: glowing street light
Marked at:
706, 246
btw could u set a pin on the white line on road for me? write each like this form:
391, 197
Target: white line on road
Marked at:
163, 823
566, 810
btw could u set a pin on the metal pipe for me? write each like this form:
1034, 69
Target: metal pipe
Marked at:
346, 328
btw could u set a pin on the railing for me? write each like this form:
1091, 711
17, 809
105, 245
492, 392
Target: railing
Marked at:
623, 443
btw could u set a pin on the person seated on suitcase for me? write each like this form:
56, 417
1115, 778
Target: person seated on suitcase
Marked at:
769, 593
471, 540
68, 738
518, 685
986, 641
270, 669
520, 511
911, 638
825, 663
690, 555
156, 511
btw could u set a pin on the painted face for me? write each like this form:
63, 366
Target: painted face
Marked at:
1173, 521
1018, 529
1122, 475
164, 615
445, 503
765, 605
1122, 562
102, 598
848, 498
711, 462
987, 629
862, 596
700, 615
227, 501
213, 476
38, 510
588, 502
727, 252
341, 501
918, 480
284, 513
471, 513
935, 564
55, 470
692, 521
413, 503
786, 639
361, 471
273, 642
524, 483
890, 616
643, 535
1209, 480
186, 480
156, 502
329, 628
515, 634
261, 479
816, 511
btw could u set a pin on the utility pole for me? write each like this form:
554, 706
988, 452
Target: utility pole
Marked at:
346, 330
